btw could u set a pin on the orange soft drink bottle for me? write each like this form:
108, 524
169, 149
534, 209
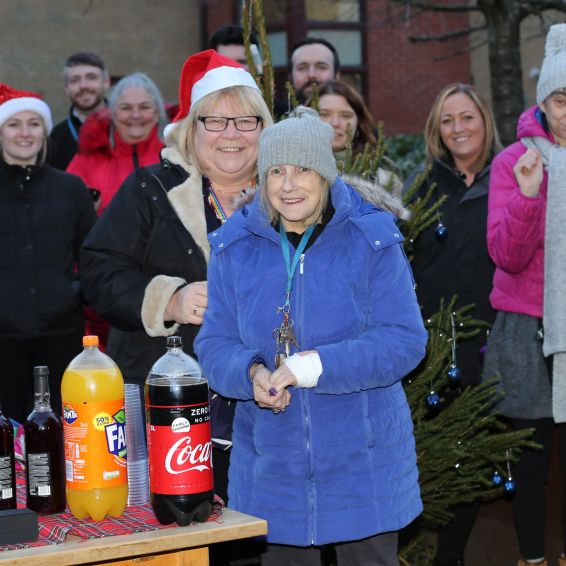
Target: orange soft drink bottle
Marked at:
94, 421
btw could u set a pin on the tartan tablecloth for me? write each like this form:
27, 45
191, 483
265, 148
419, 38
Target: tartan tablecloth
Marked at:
53, 529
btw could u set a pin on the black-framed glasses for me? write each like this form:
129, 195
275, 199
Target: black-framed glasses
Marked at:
220, 123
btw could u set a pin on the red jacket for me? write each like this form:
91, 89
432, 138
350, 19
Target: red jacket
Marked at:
105, 166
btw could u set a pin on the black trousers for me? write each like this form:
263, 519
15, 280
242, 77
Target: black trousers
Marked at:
530, 474
379, 550
18, 358
452, 538
233, 553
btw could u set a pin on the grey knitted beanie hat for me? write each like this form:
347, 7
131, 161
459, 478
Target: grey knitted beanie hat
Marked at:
553, 70
303, 140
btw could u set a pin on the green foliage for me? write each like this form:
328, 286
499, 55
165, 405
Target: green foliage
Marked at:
423, 212
407, 151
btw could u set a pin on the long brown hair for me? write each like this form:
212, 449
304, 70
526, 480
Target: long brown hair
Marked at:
365, 131
435, 147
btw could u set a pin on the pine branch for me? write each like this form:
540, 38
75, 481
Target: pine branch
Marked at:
462, 442
423, 213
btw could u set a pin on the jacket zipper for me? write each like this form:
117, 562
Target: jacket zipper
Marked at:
306, 409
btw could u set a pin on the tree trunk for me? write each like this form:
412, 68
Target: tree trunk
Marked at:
503, 19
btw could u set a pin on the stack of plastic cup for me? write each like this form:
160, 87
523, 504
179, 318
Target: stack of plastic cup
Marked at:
138, 474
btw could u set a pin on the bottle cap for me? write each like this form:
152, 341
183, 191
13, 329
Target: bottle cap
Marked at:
90, 340
174, 342
40, 370
41, 379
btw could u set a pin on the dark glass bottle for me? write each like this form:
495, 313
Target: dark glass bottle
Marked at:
45, 462
7, 465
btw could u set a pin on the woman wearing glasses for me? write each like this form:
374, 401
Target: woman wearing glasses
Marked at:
145, 261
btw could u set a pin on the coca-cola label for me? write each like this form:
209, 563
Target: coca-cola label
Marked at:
180, 453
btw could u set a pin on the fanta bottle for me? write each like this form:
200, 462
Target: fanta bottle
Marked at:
94, 422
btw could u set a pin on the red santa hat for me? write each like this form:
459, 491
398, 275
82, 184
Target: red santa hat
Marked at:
13, 101
205, 73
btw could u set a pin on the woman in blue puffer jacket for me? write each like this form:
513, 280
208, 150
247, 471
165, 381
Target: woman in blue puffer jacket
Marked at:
312, 322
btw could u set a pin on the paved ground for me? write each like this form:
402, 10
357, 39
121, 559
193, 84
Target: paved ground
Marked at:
493, 541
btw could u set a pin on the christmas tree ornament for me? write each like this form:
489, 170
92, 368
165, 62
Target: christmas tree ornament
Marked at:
440, 232
509, 487
496, 479
432, 399
454, 374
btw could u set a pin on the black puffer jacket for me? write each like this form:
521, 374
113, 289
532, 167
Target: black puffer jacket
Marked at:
460, 265
45, 215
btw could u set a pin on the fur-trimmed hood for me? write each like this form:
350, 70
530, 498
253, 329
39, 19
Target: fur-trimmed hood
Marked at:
373, 192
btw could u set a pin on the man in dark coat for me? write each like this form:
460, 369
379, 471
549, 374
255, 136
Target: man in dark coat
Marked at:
86, 84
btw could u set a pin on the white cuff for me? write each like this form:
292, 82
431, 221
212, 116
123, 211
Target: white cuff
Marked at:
306, 369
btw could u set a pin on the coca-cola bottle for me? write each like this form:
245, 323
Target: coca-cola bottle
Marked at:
45, 459
7, 465
178, 438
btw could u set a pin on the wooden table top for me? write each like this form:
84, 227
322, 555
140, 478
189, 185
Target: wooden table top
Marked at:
231, 525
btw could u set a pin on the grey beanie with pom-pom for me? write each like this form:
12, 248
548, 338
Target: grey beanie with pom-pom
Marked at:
303, 140
553, 70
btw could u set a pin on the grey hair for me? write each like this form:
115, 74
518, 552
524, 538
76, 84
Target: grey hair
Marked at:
143, 81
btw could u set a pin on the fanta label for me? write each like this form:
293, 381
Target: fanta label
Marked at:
95, 444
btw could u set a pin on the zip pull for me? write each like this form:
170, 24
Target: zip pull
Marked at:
301, 264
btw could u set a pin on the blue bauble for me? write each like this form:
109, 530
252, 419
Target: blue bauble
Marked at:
432, 399
496, 479
441, 233
510, 487
454, 373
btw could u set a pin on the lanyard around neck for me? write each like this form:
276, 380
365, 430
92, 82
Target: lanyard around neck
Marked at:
72, 129
292, 266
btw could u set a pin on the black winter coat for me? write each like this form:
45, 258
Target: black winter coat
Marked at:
151, 240
460, 265
64, 144
45, 215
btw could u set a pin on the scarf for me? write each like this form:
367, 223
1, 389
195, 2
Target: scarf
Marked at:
554, 311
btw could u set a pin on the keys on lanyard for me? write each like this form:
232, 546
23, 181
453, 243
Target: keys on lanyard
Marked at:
284, 338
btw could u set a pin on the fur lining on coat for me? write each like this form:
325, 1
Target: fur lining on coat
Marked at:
371, 191
187, 202
378, 195
155, 300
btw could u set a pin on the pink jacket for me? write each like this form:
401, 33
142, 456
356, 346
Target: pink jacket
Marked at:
515, 228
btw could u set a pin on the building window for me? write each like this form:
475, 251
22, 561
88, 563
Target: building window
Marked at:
337, 21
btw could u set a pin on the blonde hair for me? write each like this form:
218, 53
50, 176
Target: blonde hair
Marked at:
244, 99
273, 215
435, 147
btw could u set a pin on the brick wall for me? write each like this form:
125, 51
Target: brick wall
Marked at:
403, 78
131, 35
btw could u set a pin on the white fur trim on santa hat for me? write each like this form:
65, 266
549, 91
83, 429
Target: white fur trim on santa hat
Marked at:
22, 103
219, 78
